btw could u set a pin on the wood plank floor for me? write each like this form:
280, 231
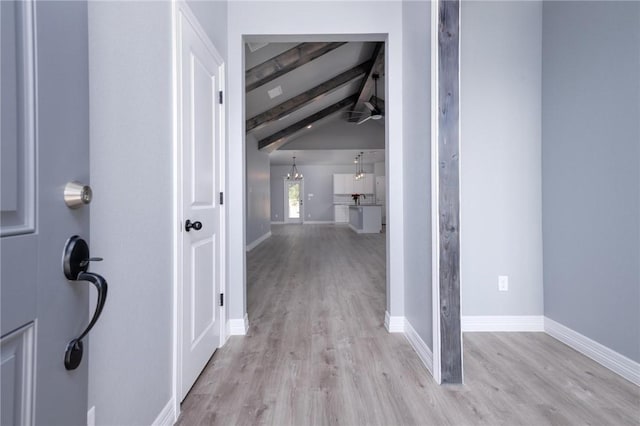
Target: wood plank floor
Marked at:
317, 353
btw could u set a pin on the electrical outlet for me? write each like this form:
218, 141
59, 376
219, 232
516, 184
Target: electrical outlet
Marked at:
309, 215
276, 215
503, 283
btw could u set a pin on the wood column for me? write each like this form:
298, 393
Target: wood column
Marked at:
449, 189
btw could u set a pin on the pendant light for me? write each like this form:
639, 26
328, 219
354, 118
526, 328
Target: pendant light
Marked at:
294, 174
360, 167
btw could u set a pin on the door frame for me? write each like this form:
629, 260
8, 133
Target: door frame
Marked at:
180, 8
286, 199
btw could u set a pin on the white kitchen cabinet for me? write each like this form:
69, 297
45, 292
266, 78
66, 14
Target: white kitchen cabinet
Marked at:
346, 183
368, 183
364, 185
358, 186
341, 213
343, 183
338, 184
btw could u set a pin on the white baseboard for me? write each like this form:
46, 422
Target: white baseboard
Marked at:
238, 327
167, 416
516, 323
608, 358
393, 324
91, 416
424, 353
277, 223
318, 222
257, 242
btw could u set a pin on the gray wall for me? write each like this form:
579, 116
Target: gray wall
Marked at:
131, 134
318, 180
417, 166
131, 151
590, 170
341, 135
501, 228
258, 191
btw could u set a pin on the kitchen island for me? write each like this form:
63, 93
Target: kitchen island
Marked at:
366, 218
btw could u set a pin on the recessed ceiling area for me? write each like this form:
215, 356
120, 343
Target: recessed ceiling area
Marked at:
332, 98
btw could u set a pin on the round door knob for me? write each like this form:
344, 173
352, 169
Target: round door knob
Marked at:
196, 226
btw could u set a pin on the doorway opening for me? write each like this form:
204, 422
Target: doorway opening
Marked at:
322, 102
294, 195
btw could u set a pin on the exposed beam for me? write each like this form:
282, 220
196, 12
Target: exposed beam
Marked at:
285, 62
305, 122
449, 190
368, 84
297, 102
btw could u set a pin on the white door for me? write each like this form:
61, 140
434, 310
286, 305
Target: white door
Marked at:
45, 143
293, 205
200, 70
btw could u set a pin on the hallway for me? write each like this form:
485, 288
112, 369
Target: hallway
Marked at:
317, 353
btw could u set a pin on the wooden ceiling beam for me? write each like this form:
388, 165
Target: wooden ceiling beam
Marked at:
368, 84
284, 133
297, 102
286, 62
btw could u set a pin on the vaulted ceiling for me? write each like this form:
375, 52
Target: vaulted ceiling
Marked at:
294, 89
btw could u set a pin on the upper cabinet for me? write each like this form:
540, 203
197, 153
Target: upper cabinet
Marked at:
346, 183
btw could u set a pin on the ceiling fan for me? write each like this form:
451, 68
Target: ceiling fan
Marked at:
374, 112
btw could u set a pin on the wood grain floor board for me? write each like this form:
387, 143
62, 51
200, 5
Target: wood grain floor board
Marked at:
317, 353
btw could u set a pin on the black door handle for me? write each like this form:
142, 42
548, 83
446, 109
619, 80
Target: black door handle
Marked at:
196, 226
75, 264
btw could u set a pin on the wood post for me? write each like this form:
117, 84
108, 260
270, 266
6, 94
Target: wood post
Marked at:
449, 190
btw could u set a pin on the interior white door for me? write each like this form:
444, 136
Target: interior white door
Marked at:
200, 70
45, 144
293, 204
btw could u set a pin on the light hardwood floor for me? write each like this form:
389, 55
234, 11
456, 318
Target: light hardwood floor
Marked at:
317, 353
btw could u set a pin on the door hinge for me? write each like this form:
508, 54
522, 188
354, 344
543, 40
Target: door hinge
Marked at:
221, 198
221, 299
220, 97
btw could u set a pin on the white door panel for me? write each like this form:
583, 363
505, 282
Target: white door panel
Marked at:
200, 135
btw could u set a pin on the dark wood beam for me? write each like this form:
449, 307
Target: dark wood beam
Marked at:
449, 190
368, 85
276, 137
297, 102
285, 62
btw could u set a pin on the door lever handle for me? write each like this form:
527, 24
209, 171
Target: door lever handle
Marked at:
73, 354
75, 263
196, 226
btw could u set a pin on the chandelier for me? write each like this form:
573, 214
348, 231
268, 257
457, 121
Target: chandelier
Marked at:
359, 167
294, 174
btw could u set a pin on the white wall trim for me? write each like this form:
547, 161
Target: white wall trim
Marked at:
519, 323
318, 222
167, 416
435, 226
238, 327
421, 348
608, 358
393, 324
257, 241
277, 223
